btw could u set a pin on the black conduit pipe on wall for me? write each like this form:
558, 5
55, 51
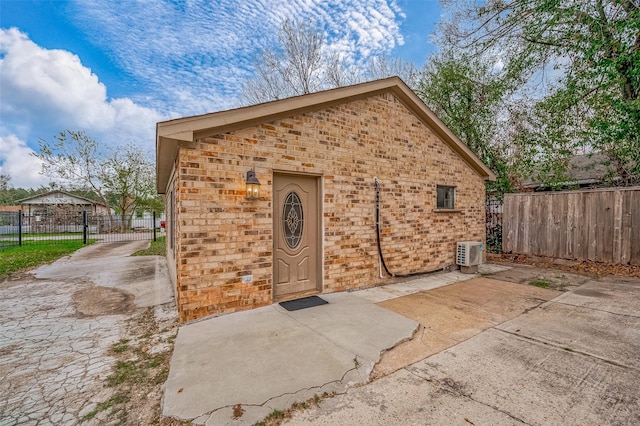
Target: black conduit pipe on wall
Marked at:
384, 265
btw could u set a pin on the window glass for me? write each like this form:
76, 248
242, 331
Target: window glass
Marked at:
292, 220
446, 197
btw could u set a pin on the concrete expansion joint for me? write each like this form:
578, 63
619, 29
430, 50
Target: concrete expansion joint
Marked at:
567, 349
596, 309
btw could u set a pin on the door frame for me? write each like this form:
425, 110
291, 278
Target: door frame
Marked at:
319, 229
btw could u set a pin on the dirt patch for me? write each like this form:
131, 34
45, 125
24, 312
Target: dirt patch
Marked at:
592, 269
548, 277
452, 314
97, 301
13, 279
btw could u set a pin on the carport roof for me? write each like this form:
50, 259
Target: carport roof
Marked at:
173, 134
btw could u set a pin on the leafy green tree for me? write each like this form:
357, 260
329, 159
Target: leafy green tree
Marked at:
10, 196
122, 178
128, 180
468, 95
582, 60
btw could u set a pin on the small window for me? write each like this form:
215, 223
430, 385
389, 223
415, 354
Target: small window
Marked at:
139, 214
446, 197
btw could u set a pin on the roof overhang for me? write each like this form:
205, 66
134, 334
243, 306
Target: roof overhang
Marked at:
173, 134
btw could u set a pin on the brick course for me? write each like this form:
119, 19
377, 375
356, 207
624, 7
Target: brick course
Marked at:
221, 236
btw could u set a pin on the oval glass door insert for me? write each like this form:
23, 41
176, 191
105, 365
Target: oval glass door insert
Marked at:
292, 220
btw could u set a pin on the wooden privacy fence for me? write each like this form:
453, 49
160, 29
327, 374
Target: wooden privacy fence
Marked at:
601, 225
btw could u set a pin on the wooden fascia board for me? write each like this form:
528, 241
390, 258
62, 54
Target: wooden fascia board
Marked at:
238, 118
167, 145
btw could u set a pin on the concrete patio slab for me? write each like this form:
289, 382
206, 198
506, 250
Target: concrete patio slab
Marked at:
268, 358
611, 295
449, 315
423, 283
572, 360
534, 382
493, 378
402, 398
595, 319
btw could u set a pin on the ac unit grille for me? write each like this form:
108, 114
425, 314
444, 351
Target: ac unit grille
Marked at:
469, 253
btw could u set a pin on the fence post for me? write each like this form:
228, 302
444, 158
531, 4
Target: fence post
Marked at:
85, 226
20, 227
154, 226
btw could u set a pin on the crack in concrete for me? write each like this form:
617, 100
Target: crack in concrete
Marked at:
53, 363
406, 339
456, 392
265, 403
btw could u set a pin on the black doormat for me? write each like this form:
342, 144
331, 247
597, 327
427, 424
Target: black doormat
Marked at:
305, 302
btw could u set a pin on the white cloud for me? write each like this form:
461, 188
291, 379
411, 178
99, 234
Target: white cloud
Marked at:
49, 80
186, 58
16, 161
51, 89
194, 56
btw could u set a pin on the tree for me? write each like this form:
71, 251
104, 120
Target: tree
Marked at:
303, 63
382, 67
294, 67
5, 186
75, 159
129, 181
468, 96
583, 59
5, 182
122, 178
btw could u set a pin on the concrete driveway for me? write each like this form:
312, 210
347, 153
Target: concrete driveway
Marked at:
57, 324
573, 360
238, 368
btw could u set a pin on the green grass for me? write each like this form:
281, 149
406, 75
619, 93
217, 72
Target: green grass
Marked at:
540, 283
44, 234
32, 254
156, 248
114, 400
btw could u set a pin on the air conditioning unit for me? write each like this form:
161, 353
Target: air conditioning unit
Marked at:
469, 253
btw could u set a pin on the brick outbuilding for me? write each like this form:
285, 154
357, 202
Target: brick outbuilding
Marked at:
328, 164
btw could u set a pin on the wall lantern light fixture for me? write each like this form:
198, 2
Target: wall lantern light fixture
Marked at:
253, 186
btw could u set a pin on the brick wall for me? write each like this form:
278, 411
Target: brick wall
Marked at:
221, 236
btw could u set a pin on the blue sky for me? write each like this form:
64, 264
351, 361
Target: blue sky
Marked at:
114, 68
